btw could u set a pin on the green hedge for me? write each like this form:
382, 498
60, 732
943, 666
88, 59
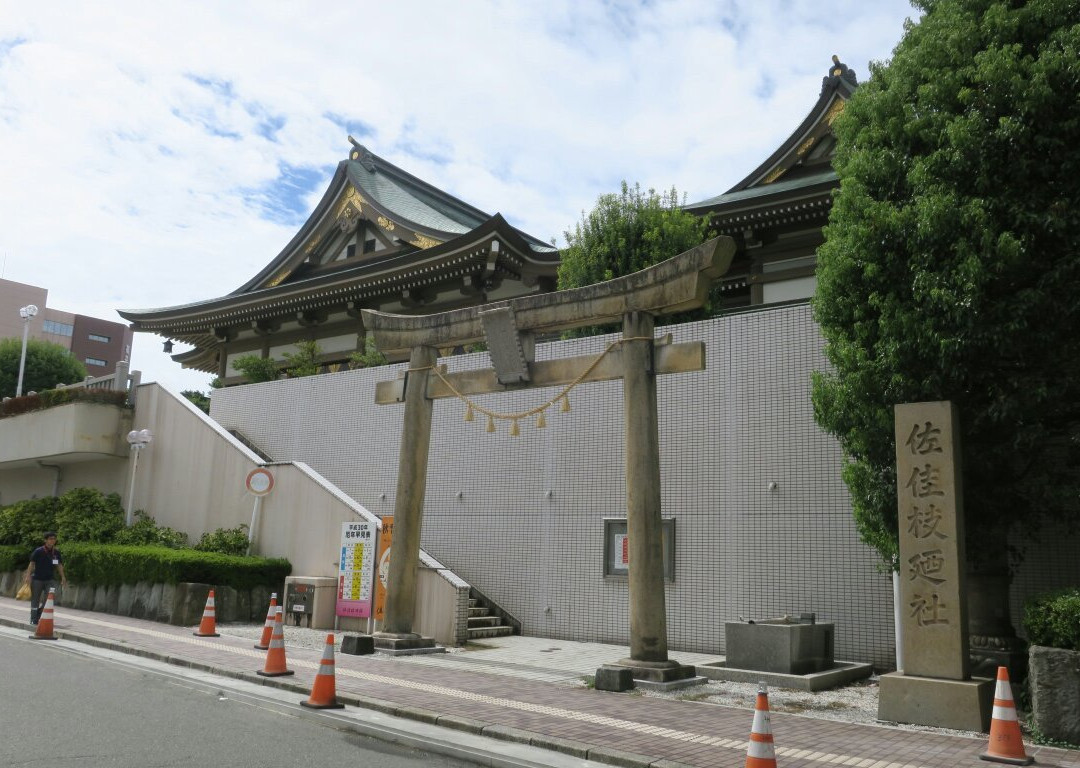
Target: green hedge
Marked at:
1054, 619
14, 559
106, 564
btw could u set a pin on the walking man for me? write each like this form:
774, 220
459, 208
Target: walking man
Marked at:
45, 563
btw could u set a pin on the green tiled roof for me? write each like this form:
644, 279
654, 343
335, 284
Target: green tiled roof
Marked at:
411, 204
777, 187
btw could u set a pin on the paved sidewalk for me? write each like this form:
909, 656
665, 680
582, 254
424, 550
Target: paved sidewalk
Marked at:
527, 698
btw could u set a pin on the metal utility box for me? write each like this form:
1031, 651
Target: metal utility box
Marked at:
310, 601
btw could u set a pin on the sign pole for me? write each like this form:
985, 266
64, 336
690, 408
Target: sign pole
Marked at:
254, 522
259, 482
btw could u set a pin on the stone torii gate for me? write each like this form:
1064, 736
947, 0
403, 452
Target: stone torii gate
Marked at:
509, 329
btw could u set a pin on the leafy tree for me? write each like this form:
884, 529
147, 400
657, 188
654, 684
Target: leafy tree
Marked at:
624, 233
305, 360
200, 400
47, 365
256, 368
371, 357
951, 264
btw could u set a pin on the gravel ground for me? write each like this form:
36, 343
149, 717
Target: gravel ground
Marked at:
855, 703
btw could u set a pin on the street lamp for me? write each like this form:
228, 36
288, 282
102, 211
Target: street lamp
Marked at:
138, 439
25, 313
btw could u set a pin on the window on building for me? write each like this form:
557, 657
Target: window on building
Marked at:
58, 329
95, 361
99, 337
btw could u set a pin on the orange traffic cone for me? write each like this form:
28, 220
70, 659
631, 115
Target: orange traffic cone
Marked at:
208, 625
760, 753
45, 620
268, 627
323, 692
275, 655
1006, 744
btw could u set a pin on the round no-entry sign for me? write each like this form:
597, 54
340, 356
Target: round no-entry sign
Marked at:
259, 481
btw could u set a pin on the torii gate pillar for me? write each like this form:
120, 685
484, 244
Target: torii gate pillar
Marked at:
397, 631
648, 614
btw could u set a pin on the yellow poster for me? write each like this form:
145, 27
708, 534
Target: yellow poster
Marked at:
382, 568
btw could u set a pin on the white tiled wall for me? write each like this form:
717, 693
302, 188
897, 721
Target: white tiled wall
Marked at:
527, 529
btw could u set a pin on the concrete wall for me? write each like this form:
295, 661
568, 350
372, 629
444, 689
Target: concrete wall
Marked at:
32, 482
66, 432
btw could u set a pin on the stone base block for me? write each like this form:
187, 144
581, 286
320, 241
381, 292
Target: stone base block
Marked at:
405, 645
611, 677
358, 645
963, 705
656, 671
841, 673
673, 685
1055, 692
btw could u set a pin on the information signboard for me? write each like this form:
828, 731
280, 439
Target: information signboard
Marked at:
355, 569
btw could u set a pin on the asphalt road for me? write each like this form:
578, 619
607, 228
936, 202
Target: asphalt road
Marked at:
60, 708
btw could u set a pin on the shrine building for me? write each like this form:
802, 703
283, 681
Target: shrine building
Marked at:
380, 238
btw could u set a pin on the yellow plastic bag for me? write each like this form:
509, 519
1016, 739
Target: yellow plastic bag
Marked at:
23, 593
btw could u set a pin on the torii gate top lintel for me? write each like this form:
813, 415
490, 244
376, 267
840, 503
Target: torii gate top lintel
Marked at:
675, 285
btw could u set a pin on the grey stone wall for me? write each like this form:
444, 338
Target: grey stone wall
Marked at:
763, 521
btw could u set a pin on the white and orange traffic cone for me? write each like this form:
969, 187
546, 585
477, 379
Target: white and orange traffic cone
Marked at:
268, 627
1006, 743
45, 620
208, 625
275, 654
324, 691
760, 753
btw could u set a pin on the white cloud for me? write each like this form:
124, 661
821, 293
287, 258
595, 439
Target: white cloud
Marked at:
139, 141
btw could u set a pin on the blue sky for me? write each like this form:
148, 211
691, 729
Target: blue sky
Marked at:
154, 156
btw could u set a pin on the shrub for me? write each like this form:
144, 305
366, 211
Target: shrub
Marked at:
87, 514
13, 558
24, 522
145, 532
225, 541
1054, 619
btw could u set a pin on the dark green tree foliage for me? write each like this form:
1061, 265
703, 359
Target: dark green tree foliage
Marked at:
304, 361
951, 267
87, 514
256, 368
47, 365
24, 523
200, 400
627, 232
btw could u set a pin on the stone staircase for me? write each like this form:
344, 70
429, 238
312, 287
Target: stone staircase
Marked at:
483, 623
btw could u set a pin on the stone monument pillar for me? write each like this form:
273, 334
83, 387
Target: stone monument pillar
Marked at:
935, 686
